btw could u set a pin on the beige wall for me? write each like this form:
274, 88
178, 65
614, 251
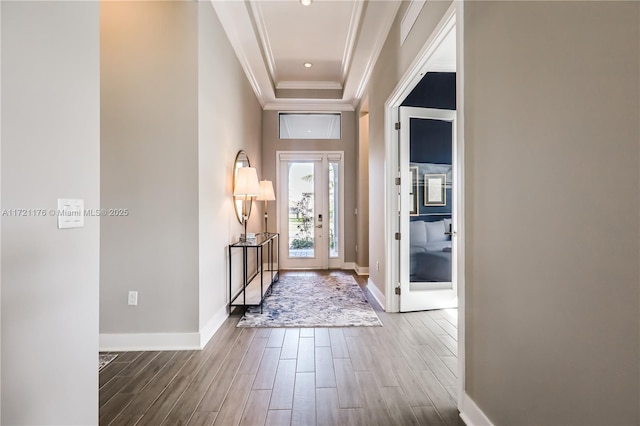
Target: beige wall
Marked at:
362, 258
348, 143
229, 119
50, 149
176, 108
149, 157
390, 67
552, 211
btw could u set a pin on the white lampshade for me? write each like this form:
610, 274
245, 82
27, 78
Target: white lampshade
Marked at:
266, 191
246, 184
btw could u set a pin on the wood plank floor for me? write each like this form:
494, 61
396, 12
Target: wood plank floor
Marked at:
404, 373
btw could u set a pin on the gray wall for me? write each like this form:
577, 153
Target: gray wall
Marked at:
552, 209
348, 143
50, 150
149, 157
391, 65
230, 119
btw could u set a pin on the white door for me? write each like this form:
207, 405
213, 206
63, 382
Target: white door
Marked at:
310, 210
428, 209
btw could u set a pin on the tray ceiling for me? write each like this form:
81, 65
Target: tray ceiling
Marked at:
274, 39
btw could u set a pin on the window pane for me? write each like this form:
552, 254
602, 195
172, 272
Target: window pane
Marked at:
334, 244
309, 126
301, 210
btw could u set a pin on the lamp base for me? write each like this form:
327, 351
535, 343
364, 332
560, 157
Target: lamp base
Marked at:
248, 238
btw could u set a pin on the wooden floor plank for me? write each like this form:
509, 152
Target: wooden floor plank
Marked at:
306, 355
252, 359
201, 419
348, 390
233, 406
375, 413
442, 401
304, 400
327, 406
338, 344
415, 395
322, 337
256, 408
361, 358
428, 416
267, 371
306, 332
219, 387
276, 338
160, 409
399, 409
282, 395
278, 418
290, 344
325, 375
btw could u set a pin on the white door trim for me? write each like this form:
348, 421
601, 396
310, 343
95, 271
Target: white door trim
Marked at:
453, 19
337, 263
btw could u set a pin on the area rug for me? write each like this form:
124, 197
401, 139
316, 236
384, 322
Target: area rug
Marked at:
104, 359
313, 301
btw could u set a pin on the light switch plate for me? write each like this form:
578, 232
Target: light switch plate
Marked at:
70, 213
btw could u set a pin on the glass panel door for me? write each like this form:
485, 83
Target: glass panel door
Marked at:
310, 210
301, 216
427, 209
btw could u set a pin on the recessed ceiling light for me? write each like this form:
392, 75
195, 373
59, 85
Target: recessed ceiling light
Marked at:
306, 2
308, 64
308, 131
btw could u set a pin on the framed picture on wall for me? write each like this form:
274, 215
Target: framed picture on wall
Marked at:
413, 192
435, 193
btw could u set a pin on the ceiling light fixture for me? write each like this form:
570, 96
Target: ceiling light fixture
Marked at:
306, 2
308, 64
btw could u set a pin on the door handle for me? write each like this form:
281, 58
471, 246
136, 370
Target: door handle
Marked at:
452, 233
318, 226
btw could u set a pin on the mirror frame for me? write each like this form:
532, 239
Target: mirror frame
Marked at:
242, 160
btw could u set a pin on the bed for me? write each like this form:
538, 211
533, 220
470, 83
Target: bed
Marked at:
430, 251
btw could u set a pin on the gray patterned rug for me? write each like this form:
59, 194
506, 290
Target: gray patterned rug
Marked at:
104, 359
308, 301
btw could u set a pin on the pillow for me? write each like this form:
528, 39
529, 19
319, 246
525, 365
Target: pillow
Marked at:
435, 231
418, 233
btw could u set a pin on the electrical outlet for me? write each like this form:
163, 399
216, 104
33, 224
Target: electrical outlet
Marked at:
377, 265
133, 298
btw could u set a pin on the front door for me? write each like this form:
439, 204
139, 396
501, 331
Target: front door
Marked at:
427, 209
310, 210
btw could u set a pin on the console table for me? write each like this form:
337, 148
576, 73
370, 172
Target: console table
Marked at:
267, 270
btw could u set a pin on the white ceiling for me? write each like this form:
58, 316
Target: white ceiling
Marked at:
274, 38
341, 38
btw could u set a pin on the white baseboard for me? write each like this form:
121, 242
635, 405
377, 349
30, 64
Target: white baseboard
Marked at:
376, 293
349, 265
362, 270
214, 323
471, 414
149, 342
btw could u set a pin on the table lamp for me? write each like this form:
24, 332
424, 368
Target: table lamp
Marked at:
266, 194
246, 186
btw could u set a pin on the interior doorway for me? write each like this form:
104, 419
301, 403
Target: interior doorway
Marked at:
310, 210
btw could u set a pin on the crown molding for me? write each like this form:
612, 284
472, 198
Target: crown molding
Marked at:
335, 85
381, 37
307, 105
352, 36
234, 16
263, 37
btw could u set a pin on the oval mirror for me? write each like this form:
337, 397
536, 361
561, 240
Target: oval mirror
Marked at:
242, 160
